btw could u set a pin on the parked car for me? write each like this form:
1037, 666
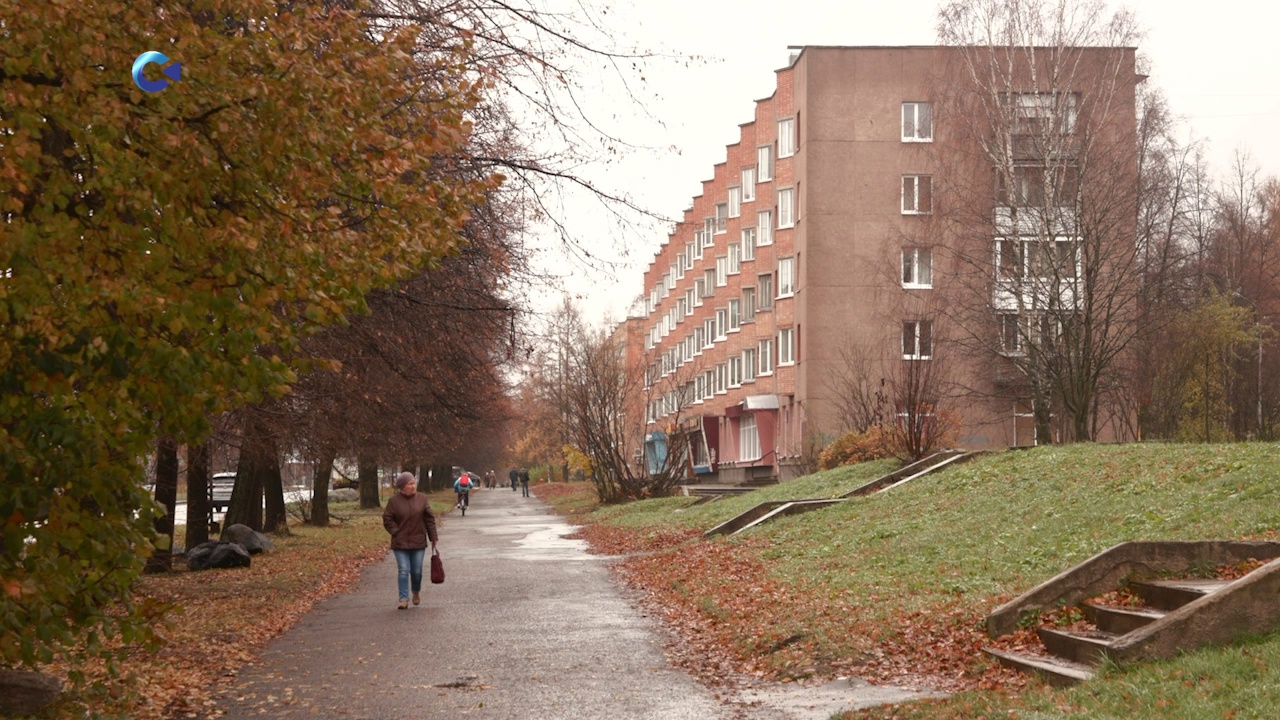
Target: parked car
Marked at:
220, 486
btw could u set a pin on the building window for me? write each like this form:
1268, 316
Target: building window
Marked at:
748, 439
917, 122
749, 244
917, 340
764, 163
709, 332
766, 291
699, 388
735, 371
690, 299
735, 315
786, 137
708, 232
699, 339
786, 277
735, 259
1010, 334
722, 377
697, 245
748, 184
679, 268
1020, 258
765, 348
688, 256
917, 194
709, 283
748, 304
917, 267
1038, 186
722, 217
722, 323
764, 227
699, 291
748, 365
786, 215
1040, 114
722, 271
786, 346
735, 202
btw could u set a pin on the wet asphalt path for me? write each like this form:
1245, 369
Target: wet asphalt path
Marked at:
527, 625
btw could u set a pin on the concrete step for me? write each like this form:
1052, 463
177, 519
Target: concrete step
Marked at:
794, 507
1079, 647
1118, 620
1055, 671
717, 489
1173, 594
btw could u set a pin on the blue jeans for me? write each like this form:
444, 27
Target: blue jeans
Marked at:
409, 564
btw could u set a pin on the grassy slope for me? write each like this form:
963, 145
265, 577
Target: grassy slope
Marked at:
946, 549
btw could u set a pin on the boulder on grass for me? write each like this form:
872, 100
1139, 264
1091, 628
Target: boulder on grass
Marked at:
252, 540
214, 554
25, 692
344, 495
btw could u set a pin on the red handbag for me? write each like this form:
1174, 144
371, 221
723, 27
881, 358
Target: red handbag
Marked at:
437, 568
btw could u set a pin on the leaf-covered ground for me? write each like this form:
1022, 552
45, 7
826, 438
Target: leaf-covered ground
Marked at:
221, 619
894, 587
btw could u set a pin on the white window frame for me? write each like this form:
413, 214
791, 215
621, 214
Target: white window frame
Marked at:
911, 130
710, 375
786, 208
748, 184
709, 282
699, 388
722, 324
786, 346
748, 438
786, 137
765, 354
699, 290
912, 276
722, 378
679, 267
786, 277
697, 244
690, 300
764, 228
722, 218
708, 232
748, 365
709, 331
735, 371
699, 339
735, 259
748, 244
748, 304
735, 202
913, 194
912, 332
764, 163
735, 315
688, 256
722, 270
765, 297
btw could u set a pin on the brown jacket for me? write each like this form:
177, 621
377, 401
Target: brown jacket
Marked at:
410, 521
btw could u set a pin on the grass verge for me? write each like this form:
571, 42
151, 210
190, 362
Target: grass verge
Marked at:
894, 586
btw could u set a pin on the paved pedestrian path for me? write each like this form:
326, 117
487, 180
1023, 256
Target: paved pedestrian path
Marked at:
527, 625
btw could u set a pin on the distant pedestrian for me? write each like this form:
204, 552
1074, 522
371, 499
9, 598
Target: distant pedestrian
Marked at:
409, 519
524, 481
515, 478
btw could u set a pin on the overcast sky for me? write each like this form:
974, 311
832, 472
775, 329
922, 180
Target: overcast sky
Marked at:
1217, 62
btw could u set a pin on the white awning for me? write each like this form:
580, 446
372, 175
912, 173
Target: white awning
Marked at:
760, 402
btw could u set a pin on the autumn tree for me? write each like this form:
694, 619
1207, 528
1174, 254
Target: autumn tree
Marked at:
1042, 213
156, 243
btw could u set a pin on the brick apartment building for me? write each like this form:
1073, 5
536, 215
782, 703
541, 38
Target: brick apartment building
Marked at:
830, 233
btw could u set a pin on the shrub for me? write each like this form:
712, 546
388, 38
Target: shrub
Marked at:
875, 443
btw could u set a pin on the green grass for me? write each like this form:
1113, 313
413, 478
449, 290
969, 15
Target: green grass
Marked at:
976, 533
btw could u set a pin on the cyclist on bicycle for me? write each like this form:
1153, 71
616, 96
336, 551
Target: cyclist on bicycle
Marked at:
462, 488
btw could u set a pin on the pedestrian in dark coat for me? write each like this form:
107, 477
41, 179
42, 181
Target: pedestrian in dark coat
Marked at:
524, 481
515, 478
412, 525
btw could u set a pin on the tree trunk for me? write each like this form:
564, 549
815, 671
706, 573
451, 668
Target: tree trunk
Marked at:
166, 495
441, 477
320, 488
276, 520
197, 494
369, 495
245, 507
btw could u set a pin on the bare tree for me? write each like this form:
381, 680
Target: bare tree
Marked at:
1042, 212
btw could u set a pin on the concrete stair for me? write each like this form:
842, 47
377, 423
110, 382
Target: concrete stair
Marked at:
1176, 614
766, 511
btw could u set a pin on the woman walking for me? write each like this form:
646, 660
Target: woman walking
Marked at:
409, 519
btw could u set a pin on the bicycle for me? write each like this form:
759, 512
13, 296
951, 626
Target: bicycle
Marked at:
464, 499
